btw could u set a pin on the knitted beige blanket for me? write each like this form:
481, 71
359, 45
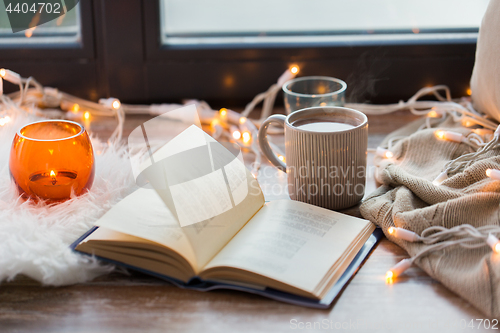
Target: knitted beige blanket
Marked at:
409, 199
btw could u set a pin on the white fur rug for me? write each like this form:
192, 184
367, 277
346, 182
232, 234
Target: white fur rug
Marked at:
35, 237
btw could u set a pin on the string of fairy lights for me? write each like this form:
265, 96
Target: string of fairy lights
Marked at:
227, 124
238, 128
439, 238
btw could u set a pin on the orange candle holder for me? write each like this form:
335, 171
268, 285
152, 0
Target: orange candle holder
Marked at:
51, 160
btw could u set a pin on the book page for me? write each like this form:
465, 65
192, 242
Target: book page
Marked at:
292, 242
203, 194
206, 187
143, 214
137, 252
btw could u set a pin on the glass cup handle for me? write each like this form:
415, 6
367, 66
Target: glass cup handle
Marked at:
264, 144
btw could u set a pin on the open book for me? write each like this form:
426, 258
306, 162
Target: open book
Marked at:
287, 247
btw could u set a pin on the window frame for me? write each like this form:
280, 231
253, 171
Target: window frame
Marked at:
84, 49
447, 61
121, 55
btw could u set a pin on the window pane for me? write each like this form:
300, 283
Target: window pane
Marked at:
274, 21
59, 32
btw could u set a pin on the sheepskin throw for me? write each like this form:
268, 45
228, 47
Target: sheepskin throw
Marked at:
35, 237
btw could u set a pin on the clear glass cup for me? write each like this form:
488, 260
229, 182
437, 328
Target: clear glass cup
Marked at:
52, 160
310, 91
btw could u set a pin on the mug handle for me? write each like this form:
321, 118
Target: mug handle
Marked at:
264, 144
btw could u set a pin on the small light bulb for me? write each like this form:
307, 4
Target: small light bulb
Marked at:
86, 115
433, 114
289, 74
281, 158
398, 269
223, 112
493, 174
75, 108
469, 91
246, 137
385, 153
403, 234
4, 120
111, 103
439, 134
116, 104
236, 135
243, 120
217, 129
494, 243
440, 178
466, 122
10, 76
449, 135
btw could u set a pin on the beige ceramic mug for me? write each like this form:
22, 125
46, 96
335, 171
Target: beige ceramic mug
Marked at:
325, 150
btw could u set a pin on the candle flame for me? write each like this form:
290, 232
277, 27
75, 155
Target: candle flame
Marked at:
294, 69
53, 176
86, 115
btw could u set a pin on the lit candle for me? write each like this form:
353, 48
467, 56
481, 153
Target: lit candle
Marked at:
52, 160
53, 184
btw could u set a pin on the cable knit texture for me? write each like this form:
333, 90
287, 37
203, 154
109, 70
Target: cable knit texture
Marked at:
408, 199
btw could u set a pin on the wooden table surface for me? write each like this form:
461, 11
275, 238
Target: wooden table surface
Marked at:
136, 302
